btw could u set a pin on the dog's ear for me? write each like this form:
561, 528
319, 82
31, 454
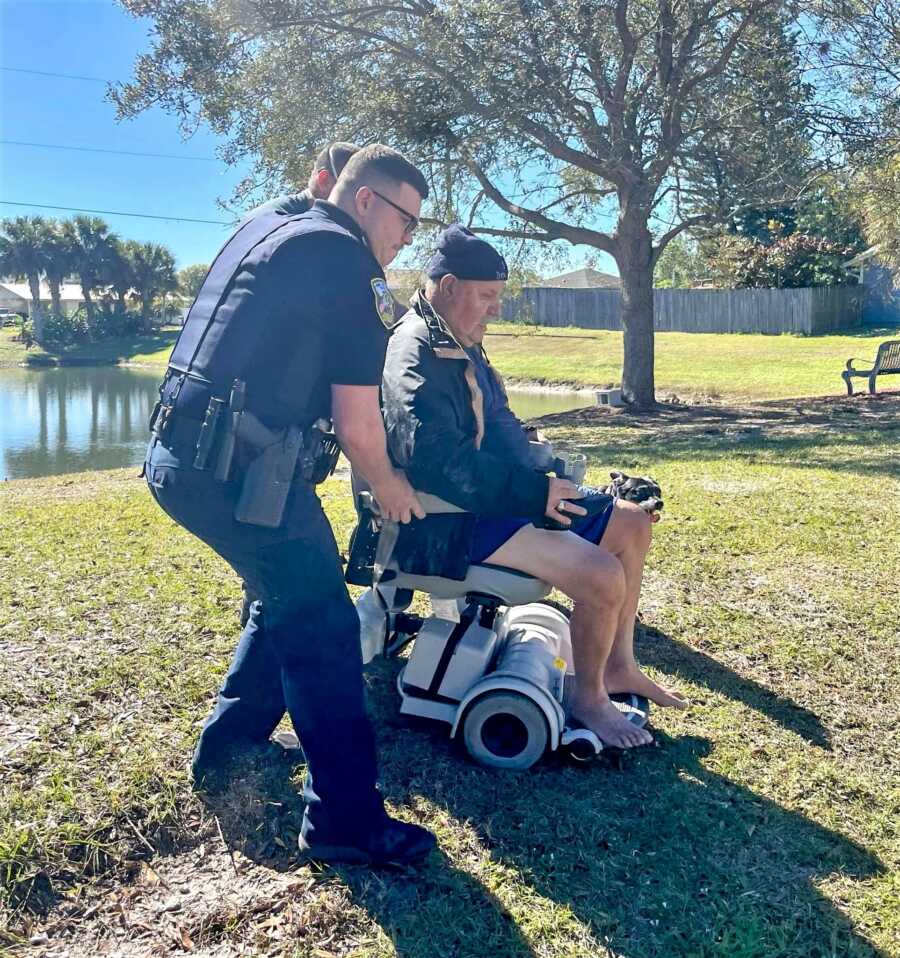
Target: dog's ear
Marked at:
616, 476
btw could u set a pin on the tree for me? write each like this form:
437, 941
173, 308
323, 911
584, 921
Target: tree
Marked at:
92, 248
153, 273
681, 265
538, 119
23, 255
879, 205
58, 262
118, 273
789, 262
190, 279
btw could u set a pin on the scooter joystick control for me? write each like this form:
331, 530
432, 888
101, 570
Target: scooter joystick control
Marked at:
594, 501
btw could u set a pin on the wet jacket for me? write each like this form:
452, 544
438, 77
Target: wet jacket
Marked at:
434, 418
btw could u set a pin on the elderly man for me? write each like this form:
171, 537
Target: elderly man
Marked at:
449, 426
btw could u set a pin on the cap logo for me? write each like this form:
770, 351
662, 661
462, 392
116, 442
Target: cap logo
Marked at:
384, 302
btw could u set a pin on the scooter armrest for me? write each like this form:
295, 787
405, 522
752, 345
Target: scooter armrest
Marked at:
434, 505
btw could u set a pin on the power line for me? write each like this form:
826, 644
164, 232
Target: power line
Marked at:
61, 76
143, 216
97, 149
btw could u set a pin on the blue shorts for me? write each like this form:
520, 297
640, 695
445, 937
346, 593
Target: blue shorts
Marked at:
490, 534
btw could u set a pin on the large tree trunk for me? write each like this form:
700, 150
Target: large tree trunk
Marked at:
636, 270
37, 311
54, 284
88, 308
145, 314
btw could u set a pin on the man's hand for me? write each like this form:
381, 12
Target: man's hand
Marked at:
396, 498
360, 431
559, 510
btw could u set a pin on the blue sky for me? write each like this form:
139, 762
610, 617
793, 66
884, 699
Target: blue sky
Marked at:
98, 41
97, 38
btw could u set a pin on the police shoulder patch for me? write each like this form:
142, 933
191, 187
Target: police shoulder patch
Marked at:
384, 302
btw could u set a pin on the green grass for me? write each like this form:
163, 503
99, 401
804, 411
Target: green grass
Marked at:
765, 824
151, 350
689, 365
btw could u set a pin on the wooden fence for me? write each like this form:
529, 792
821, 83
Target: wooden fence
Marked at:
808, 311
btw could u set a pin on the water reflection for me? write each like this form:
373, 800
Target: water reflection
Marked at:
73, 419
55, 421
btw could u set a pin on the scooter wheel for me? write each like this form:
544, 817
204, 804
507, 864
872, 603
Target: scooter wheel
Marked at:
505, 730
636, 708
583, 746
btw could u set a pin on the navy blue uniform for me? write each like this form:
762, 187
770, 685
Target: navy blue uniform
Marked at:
291, 204
293, 312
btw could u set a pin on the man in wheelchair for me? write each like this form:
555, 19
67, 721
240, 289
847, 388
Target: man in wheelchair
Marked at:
450, 428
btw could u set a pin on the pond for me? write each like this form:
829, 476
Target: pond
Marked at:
76, 418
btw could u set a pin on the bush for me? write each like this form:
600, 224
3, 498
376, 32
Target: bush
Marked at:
111, 320
67, 329
793, 261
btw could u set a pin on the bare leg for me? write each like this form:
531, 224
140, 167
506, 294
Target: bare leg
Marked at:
595, 580
627, 537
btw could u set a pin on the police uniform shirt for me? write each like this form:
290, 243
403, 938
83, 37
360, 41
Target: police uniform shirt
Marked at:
291, 204
307, 308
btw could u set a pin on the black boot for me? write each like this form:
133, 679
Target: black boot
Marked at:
393, 843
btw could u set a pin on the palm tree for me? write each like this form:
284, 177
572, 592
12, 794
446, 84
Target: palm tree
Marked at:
119, 273
92, 244
153, 272
23, 256
58, 261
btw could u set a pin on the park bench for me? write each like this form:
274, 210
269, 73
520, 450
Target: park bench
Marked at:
886, 362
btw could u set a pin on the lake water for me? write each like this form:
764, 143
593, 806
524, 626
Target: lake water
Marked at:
55, 421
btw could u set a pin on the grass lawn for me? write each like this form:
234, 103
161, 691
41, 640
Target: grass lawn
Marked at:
151, 350
764, 824
689, 365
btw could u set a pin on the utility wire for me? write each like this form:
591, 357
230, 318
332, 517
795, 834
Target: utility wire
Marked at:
97, 149
143, 216
61, 76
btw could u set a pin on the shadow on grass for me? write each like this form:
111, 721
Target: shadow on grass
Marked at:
663, 857
659, 650
857, 435
434, 909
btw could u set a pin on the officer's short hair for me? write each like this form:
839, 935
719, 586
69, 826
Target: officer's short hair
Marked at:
380, 162
333, 158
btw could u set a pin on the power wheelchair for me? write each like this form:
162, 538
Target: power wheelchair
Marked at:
494, 659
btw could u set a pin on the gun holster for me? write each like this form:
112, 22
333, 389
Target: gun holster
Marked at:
267, 481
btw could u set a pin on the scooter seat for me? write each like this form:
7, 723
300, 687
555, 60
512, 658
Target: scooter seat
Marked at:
510, 586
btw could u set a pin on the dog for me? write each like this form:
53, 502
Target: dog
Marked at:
644, 491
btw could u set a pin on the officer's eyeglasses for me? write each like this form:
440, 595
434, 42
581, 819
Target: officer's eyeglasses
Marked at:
412, 222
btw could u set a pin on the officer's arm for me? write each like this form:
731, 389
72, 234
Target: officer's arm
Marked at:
360, 431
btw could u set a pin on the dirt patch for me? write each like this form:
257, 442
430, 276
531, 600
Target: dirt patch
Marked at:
743, 418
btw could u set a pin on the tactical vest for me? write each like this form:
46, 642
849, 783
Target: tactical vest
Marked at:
219, 337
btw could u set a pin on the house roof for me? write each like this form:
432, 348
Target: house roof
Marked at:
585, 278
68, 292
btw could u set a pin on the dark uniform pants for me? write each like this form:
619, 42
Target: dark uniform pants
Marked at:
306, 659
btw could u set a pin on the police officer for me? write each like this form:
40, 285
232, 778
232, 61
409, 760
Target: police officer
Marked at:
291, 326
326, 169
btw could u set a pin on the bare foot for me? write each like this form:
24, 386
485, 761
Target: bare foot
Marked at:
610, 726
632, 679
